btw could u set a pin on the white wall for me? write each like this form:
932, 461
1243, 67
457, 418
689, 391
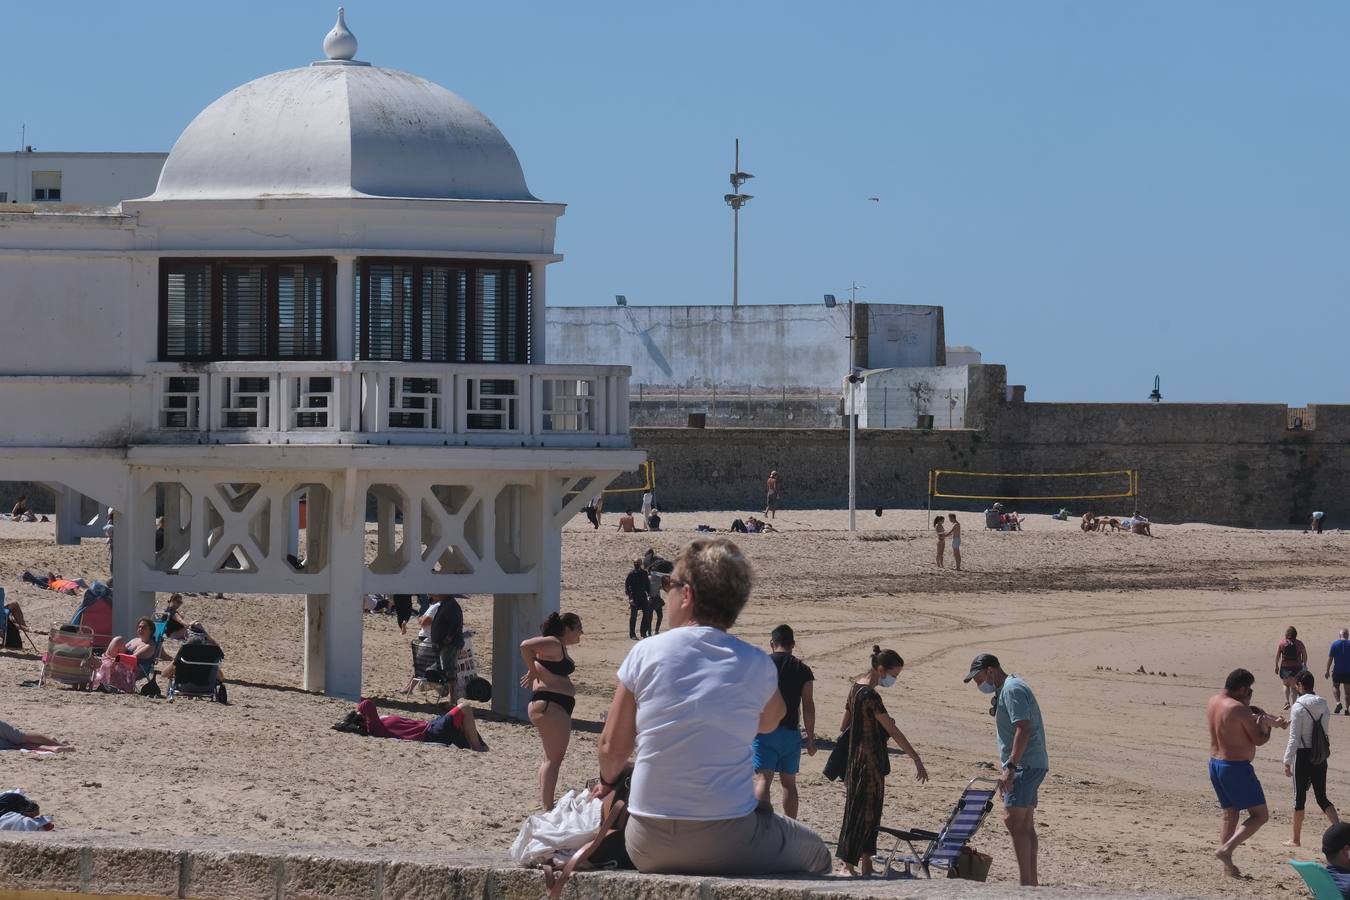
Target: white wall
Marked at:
962, 355
87, 179
770, 346
894, 398
902, 335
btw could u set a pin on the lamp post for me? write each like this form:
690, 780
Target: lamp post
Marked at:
736, 200
851, 380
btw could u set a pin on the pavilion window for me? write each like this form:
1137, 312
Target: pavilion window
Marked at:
412, 310
233, 309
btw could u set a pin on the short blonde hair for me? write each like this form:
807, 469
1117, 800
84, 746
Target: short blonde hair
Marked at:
721, 578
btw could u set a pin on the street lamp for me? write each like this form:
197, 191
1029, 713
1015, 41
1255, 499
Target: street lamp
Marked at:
736, 200
851, 380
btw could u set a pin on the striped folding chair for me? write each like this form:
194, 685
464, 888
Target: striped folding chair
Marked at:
70, 656
941, 848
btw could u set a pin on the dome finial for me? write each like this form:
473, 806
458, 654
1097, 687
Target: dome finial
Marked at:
340, 43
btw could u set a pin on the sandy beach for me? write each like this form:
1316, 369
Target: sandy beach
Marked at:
1122, 637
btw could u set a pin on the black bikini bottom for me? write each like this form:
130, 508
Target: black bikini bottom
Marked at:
567, 703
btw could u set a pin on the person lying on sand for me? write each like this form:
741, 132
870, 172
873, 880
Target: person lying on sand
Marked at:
455, 728
54, 582
12, 738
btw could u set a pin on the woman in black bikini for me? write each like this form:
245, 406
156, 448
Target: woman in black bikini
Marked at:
547, 671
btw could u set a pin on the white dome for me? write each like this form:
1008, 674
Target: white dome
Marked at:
341, 130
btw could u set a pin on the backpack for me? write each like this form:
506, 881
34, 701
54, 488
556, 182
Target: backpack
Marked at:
1321, 745
1289, 652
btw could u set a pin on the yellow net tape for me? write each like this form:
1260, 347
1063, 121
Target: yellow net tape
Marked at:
1131, 476
648, 470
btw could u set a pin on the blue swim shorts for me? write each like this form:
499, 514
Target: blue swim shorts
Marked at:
1235, 784
1026, 788
778, 751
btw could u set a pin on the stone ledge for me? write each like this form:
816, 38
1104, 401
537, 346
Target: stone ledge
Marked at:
211, 869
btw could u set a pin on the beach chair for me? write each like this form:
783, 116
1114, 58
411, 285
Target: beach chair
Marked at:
423, 658
941, 848
70, 656
194, 680
1321, 884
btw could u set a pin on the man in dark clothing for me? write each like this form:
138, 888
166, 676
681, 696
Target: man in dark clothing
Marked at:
636, 586
780, 750
656, 567
447, 635
403, 610
1336, 847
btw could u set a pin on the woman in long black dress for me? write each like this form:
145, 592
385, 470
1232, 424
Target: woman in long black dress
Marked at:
868, 764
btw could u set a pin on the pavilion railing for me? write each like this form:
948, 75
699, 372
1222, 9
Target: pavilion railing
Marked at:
390, 402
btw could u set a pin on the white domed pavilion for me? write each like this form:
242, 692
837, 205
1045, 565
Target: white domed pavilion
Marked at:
332, 302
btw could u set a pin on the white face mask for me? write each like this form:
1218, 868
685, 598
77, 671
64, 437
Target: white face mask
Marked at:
987, 688
887, 680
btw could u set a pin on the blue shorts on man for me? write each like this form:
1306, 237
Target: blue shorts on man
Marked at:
1026, 787
779, 750
1235, 784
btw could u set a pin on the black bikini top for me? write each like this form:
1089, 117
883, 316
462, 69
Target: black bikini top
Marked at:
563, 666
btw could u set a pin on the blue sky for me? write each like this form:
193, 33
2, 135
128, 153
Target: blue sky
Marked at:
1096, 192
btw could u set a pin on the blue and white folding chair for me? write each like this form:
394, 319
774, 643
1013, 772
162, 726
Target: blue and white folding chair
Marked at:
941, 848
1321, 884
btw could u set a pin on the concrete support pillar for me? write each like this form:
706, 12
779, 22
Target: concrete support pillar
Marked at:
344, 297
68, 505
516, 617
177, 527
333, 621
133, 543
318, 532
537, 279
77, 516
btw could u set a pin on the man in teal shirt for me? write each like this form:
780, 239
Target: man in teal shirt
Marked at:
1021, 750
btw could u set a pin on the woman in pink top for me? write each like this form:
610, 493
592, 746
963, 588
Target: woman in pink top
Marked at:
1291, 658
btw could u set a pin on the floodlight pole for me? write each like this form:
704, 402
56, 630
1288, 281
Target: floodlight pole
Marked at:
852, 416
736, 200
736, 233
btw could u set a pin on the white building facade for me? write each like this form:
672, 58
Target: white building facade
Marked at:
77, 179
793, 346
335, 294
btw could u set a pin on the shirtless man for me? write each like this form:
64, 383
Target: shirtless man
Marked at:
771, 502
1236, 729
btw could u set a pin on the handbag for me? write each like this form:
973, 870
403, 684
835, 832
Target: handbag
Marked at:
836, 765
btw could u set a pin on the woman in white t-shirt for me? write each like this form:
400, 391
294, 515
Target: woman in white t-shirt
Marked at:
690, 702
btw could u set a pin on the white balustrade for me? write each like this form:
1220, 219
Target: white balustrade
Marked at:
387, 402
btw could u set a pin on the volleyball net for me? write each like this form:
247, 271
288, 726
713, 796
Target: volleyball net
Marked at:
1112, 484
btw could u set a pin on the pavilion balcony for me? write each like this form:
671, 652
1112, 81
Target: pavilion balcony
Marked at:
390, 403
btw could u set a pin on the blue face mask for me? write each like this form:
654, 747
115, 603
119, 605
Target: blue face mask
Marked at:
987, 688
887, 680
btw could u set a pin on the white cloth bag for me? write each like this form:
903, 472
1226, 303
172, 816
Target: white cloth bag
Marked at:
565, 828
